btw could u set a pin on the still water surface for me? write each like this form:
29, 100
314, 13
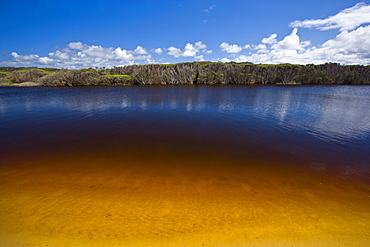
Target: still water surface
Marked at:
168, 165
324, 126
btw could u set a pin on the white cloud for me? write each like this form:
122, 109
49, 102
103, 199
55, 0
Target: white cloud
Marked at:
270, 40
351, 45
158, 51
200, 45
288, 50
200, 57
190, 50
95, 51
261, 48
45, 60
25, 57
225, 60
150, 61
347, 19
290, 42
142, 57
79, 55
139, 51
242, 58
76, 45
348, 47
122, 55
230, 48
59, 55
173, 51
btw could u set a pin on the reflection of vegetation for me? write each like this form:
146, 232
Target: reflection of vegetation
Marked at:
192, 73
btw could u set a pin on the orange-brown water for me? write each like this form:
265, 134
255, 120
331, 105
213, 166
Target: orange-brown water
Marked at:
140, 199
153, 186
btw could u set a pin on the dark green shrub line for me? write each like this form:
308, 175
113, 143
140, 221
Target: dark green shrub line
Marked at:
191, 73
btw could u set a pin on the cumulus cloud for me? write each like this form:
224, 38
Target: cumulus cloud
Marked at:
139, 51
200, 57
347, 19
25, 60
158, 51
190, 50
350, 46
173, 51
25, 57
122, 55
230, 48
225, 60
78, 55
291, 42
76, 45
270, 40
150, 61
261, 48
59, 55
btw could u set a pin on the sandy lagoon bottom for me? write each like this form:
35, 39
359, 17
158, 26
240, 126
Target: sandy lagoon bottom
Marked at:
138, 198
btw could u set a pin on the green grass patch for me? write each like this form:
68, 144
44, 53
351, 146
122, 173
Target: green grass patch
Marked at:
166, 64
46, 71
115, 76
6, 80
278, 65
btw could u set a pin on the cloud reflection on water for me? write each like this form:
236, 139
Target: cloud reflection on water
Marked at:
339, 112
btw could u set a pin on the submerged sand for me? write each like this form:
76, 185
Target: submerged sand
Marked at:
151, 199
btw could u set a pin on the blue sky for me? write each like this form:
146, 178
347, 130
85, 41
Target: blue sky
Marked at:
97, 33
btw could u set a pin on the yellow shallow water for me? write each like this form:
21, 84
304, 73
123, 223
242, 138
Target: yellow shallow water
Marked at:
116, 198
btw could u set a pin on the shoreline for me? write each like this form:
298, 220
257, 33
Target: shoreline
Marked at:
23, 84
35, 84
